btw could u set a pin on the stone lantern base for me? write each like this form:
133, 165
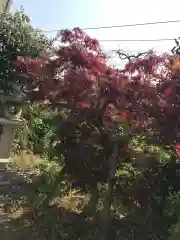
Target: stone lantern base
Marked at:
3, 171
8, 128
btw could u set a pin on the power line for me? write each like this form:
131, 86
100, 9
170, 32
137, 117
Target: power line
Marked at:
121, 26
135, 40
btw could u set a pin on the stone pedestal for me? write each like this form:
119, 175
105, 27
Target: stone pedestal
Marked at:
6, 140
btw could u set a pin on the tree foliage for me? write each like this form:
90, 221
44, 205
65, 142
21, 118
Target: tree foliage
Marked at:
103, 107
18, 37
145, 92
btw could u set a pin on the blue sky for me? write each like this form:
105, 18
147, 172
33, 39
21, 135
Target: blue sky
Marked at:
58, 14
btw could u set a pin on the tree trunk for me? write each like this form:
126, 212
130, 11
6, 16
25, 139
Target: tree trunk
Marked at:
90, 209
108, 200
165, 191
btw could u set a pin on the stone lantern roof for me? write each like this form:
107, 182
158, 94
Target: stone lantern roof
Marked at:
10, 105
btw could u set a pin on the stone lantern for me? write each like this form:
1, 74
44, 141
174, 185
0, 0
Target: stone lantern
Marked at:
10, 120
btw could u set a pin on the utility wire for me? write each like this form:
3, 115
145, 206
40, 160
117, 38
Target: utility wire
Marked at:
121, 26
138, 40
135, 40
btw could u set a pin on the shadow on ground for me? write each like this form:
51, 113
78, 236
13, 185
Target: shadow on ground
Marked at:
16, 186
51, 223
55, 223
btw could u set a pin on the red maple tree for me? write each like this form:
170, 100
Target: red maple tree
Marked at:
145, 93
